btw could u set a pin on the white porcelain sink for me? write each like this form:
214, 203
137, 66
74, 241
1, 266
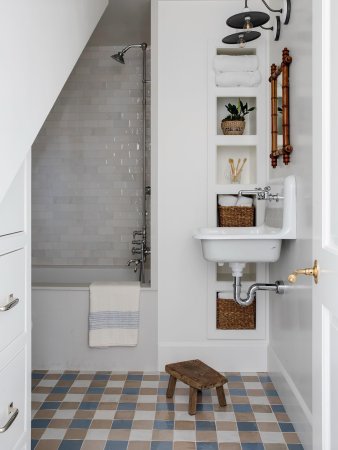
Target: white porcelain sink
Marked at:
260, 244
248, 244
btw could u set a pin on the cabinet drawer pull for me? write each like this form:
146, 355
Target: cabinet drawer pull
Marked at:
13, 414
12, 302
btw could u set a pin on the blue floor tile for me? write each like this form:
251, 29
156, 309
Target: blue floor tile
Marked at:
50, 405
131, 391
122, 424
60, 390
238, 392
80, 423
295, 447
163, 425
164, 377
271, 393
207, 446
278, 408
33, 444
253, 446
159, 445
126, 406
116, 445
234, 378
95, 390
165, 407
205, 425
40, 423
89, 405
247, 426
68, 376
204, 407
135, 377
242, 408
162, 391
101, 377
38, 376
70, 445
265, 379
286, 427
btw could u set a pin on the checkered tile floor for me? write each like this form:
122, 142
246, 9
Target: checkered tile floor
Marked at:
129, 411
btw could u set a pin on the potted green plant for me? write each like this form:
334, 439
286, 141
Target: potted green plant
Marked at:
234, 123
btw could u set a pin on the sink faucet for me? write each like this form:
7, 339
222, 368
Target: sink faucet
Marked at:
261, 194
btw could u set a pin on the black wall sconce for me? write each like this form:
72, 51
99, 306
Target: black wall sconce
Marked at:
247, 20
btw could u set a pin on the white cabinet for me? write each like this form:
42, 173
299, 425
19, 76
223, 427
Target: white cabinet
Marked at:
15, 311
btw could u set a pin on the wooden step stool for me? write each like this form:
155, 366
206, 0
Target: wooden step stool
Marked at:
197, 376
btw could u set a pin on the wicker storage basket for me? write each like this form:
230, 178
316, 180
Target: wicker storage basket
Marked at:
231, 316
233, 126
236, 216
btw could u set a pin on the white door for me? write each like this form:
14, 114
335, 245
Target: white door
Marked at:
325, 246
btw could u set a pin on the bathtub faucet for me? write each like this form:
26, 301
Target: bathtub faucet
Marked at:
134, 261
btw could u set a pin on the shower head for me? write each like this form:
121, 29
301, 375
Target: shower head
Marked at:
119, 57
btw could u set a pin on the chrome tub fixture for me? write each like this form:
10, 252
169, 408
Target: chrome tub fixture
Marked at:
140, 246
247, 20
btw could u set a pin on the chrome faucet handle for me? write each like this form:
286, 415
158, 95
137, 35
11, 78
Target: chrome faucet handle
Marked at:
137, 233
136, 251
137, 242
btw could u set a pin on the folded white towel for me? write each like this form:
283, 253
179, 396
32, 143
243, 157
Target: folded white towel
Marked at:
225, 295
227, 200
243, 63
248, 79
114, 314
244, 201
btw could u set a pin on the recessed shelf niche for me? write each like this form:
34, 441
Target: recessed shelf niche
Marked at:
224, 153
235, 51
250, 121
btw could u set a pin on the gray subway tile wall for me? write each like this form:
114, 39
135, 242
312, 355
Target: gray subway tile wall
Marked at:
87, 164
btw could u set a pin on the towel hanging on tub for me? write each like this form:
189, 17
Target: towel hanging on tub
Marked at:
114, 312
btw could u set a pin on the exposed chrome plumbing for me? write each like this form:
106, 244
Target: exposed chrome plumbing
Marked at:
140, 248
261, 194
277, 287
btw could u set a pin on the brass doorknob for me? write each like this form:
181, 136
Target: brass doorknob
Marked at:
314, 272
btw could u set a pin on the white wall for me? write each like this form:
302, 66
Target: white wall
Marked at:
290, 315
184, 29
40, 43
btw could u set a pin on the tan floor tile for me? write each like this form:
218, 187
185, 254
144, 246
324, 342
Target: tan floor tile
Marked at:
45, 414
84, 414
78, 390
59, 423
151, 377
184, 446
48, 444
275, 447
250, 378
165, 415
236, 385
261, 408
206, 436
138, 445
226, 426
124, 415
52, 376
146, 406
107, 406
42, 390
229, 446
69, 405
249, 437
93, 445
274, 400
239, 400
55, 397
99, 383
205, 415
85, 376
255, 392
184, 425
128, 398
268, 426
143, 424
75, 433
162, 435
132, 384
245, 417
148, 391
181, 406
37, 433
291, 438
282, 417
36, 405
118, 435
101, 424
64, 383
118, 377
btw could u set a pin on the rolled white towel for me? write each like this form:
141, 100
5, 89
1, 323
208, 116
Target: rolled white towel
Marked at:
242, 63
244, 201
225, 295
227, 200
248, 79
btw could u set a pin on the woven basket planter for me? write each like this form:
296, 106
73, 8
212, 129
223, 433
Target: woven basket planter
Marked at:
236, 216
232, 316
233, 126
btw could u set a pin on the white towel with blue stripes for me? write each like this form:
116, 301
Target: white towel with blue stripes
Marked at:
114, 313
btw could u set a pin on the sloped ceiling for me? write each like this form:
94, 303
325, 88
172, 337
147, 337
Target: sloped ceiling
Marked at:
124, 22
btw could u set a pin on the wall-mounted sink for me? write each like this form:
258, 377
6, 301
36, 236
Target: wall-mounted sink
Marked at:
255, 244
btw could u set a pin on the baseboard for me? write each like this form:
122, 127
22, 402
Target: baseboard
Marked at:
231, 356
294, 404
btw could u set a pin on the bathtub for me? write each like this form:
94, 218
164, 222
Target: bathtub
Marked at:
60, 305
